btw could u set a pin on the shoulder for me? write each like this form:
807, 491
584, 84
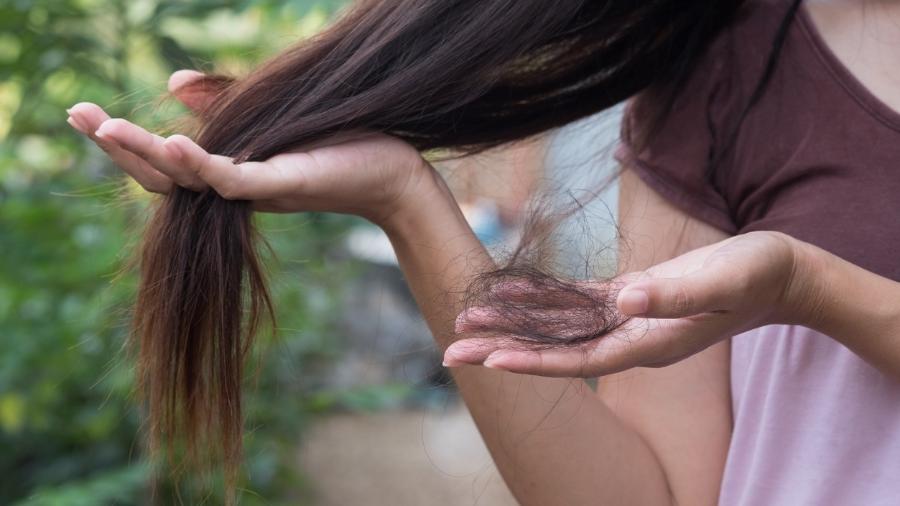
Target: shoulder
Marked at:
674, 133
721, 78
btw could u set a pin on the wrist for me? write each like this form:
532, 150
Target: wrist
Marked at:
843, 300
425, 201
806, 293
833, 296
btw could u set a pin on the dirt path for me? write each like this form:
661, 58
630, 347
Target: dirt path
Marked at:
401, 458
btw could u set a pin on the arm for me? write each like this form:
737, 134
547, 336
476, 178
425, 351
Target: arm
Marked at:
552, 439
682, 411
660, 436
687, 304
856, 307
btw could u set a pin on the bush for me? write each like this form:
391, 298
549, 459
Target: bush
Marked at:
68, 426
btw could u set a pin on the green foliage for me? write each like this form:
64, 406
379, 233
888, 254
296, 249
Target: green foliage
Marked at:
68, 224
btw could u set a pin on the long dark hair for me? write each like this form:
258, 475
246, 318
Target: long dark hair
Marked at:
458, 74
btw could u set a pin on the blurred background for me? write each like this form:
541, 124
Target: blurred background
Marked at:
351, 404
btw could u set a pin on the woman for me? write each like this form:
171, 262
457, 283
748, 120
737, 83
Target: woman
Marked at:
767, 174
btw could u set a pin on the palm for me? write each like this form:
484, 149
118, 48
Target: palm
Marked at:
713, 292
360, 174
352, 176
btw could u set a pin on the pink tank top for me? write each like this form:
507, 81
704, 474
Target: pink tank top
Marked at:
818, 157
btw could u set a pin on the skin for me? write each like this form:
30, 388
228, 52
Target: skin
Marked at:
683, 305
535, 427
683, 313
864, 35
650, 434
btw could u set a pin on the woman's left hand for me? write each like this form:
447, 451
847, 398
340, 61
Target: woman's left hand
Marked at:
677, 308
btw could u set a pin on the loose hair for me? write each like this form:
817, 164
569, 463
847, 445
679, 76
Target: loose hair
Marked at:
462, 75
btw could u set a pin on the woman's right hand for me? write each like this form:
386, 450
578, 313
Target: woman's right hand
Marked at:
369, 175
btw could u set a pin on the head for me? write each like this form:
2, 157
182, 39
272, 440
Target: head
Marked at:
460, 75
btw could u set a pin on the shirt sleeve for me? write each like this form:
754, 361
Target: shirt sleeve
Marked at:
678, 155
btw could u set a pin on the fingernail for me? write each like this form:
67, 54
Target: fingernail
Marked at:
451, 362
491, 362
74, 124
634, 302
79, 124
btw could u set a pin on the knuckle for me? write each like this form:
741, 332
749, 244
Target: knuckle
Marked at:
683, 301
198, 165
141, 153
586, 368
228, 190
187, 183
224, 192
154, 188
741, 282
137, 149
195, 178
659, 364
155, 184
148, 185
296, 175
607, 361
115, 126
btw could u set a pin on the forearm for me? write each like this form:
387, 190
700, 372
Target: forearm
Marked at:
553, 441
854, 306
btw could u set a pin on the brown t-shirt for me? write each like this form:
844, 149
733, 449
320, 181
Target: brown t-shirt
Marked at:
818, 157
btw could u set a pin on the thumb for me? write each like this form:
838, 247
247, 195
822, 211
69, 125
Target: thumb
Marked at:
696, 293
195, 89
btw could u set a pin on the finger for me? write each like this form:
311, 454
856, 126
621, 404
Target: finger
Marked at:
264, 181
659, 342
74, 124
151, 148
639, 344
190, 88
182, 78
514, 357
87, 118
475, 318
701, 292
474, 351
557, 363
